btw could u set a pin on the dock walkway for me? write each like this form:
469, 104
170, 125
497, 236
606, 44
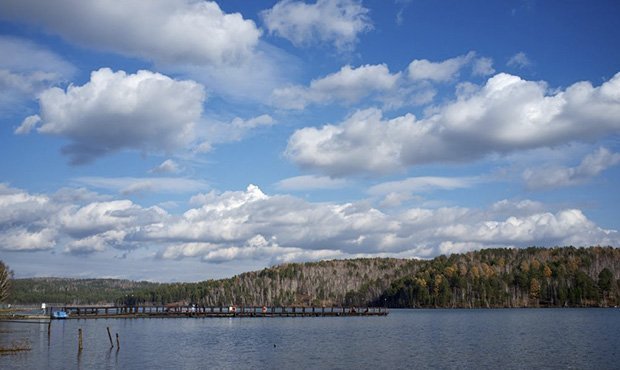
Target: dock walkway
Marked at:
96, 312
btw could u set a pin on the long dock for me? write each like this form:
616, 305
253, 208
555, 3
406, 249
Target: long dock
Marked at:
101, 312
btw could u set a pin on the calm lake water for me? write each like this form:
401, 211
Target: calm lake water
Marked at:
444, 339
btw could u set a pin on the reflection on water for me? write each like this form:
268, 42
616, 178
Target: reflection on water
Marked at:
505, 338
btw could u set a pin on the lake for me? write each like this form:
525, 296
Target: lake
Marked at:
444, 339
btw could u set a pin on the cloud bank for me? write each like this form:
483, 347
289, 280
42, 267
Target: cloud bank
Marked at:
506, 114
242, 225
349, 85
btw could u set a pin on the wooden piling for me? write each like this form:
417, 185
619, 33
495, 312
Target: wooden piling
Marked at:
80, 340
110, 337
118, 343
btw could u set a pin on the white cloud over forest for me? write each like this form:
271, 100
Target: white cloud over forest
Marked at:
246, 225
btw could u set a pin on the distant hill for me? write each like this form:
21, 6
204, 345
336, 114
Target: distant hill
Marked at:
553, 277
73, 291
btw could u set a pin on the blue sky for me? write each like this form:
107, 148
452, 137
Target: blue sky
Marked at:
184, 140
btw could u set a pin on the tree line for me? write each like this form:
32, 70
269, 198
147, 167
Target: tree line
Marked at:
73, 291
531, 277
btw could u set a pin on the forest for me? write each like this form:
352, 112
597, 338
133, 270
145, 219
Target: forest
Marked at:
73, 291
489, 278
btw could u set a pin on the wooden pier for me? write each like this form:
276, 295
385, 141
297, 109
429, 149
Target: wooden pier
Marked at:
107, 312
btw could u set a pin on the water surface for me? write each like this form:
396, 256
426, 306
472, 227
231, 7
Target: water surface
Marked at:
503, 338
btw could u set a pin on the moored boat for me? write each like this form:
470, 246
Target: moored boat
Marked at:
59, 315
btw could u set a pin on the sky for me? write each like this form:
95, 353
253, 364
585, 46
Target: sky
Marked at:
185, 140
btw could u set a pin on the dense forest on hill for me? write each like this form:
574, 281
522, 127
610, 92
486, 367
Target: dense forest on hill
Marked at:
304, 284
532, 277
73, 291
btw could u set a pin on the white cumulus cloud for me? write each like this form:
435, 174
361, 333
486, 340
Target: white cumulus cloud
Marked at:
337, 22
349, 85
252, 225
23, 239
145, 111
375, 82
423, 69
363, 143
506, 114
187, 31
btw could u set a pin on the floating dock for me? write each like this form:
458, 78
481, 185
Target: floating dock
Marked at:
107, 312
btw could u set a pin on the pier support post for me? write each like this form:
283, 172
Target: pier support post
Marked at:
110, 337
80, 340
